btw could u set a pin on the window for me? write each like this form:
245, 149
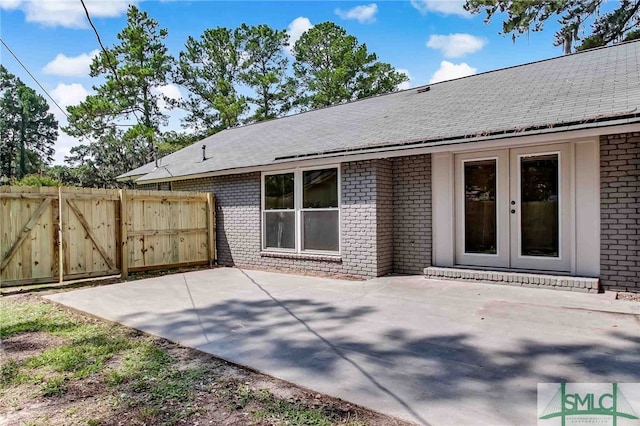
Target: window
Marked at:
301, 210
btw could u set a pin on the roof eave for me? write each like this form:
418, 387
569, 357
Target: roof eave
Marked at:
398, 148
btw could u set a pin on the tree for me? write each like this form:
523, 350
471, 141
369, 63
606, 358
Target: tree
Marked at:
264, 70
333, 67
173, 141
132, 70
209, 68
37, 180
99, 163
530, 15
28, 130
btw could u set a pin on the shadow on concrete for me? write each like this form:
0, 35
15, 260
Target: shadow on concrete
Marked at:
305, 334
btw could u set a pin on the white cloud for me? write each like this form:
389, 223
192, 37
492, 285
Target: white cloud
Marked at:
65, 95
449, 71
406, 84
70, 66
296, 28
170, 91
63, 146
66, 13
69, 94
365, 14
445, 7
456, 45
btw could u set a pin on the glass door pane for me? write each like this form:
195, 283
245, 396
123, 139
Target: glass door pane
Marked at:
480, 234
539, 205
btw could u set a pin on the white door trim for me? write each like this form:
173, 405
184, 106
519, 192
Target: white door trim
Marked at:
508, 189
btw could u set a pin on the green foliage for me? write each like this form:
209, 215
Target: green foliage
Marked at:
173, 141
99, 163
209, 68
37, 180
333, 67
632, 35
121, 123
27, 129
54, 387
9, 371
530, 15
132, 71
264, 70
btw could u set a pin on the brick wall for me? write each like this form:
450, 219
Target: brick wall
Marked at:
385, 220
411, 214
620, 212
366, 241
384, 216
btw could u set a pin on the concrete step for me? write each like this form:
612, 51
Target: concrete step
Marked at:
521, 279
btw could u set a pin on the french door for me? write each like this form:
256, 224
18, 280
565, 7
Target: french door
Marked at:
513, 208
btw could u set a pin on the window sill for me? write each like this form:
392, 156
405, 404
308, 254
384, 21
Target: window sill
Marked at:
303, 256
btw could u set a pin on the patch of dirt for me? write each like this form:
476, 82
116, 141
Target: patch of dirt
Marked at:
25, 345
226, 394
632, 297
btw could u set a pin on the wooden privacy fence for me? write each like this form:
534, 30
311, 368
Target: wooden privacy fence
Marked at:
63, 234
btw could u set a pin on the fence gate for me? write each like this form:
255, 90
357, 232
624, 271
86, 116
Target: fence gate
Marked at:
64, 234
90, 232
29, 235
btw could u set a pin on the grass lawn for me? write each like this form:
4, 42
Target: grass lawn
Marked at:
63, 368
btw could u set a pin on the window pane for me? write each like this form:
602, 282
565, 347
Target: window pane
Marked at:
280, 230
480, 207
539, 205
320, 189
320, 230
278, 191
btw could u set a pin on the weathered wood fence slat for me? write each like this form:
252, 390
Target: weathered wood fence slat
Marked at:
62, 234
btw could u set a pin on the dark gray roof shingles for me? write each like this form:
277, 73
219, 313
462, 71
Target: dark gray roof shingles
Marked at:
570, 88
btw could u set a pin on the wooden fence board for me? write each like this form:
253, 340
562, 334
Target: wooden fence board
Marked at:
28, 234
56, 234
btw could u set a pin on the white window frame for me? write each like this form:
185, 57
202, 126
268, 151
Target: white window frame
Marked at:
297, 204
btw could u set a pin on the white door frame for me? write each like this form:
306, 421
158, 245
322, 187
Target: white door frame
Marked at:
508, 188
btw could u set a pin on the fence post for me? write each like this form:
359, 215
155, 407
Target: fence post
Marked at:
60, 237
211, 228
124, 249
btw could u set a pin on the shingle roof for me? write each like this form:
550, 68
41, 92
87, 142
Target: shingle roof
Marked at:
579, 89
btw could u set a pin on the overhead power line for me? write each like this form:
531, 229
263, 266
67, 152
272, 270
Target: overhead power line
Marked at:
106, 53
33, 77
66, 114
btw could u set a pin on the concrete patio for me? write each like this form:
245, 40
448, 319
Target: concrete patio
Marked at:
432, 352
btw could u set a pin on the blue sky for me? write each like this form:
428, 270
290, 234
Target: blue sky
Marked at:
431, 40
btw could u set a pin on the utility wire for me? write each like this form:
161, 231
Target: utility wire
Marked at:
66, 114
34, 79
106, 53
